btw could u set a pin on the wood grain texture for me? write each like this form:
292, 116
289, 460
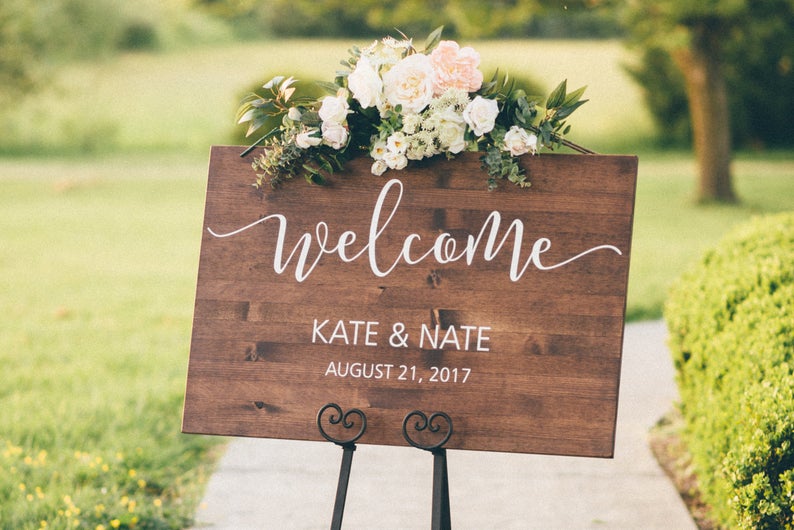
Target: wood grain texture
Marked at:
524, 364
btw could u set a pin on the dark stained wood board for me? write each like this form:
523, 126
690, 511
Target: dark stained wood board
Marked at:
540, 370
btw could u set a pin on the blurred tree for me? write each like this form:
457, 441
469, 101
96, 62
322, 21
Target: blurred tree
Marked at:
732, 62
693, 34
20, 43
758, 59
36, 36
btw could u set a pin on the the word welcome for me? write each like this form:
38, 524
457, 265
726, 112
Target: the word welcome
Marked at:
310, 248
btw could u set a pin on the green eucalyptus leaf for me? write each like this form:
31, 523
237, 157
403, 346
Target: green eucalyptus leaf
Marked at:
566, 111
270, 108
331, 88
433, 39
249, 115
287, 83
574, 96
276, 81
256, 124
557, 96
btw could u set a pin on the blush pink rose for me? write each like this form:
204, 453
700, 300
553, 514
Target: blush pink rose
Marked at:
455, 67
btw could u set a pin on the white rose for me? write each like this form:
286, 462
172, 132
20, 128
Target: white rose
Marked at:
379, 167
481, 115
410, 83
517, 141
334, 135
533, 144
334, 109
308, 138
451, 130
395, 160
365, 84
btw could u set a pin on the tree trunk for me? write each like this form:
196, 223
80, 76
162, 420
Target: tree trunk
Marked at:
708, 106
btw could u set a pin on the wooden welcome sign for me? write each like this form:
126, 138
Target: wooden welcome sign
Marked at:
417, 290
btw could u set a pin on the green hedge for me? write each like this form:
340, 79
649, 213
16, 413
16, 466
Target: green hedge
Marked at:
731, 322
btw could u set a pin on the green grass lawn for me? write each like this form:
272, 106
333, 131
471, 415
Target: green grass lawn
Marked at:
97, 267
99, 254
186, 101
671, 230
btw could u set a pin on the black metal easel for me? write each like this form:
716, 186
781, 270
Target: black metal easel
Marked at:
441, 519
348, 446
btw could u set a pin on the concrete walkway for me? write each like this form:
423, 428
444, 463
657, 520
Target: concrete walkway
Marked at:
263, 484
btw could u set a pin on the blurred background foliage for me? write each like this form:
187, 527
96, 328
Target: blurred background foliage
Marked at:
36, 37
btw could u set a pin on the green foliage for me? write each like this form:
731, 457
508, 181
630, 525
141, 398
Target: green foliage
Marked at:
731, 320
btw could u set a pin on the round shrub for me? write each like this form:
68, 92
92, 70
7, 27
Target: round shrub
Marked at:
731, 323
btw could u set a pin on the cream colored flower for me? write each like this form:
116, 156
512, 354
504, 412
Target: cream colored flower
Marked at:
411, 123
378, 149
334, 135
518, 141
335, 109
409, 83
395, 160
533, 144
421, 145
397, 143
379, 167
481, 115
308, 138
451, 130
365, 84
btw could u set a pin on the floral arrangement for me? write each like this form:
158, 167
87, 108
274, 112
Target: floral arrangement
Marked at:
399, 104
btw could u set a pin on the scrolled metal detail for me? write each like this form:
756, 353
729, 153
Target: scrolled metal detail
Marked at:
431, 424
343, 418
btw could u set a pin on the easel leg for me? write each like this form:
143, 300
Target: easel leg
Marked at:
341, 488
441, 509
441, 519
347, 421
